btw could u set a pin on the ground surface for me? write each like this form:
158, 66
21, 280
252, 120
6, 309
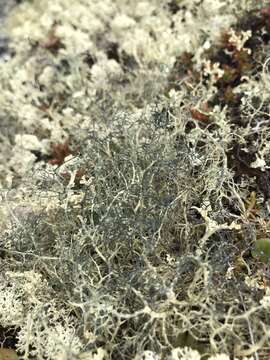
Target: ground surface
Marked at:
134, 179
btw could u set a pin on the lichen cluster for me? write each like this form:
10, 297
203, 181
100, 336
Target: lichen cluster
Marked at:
134, 180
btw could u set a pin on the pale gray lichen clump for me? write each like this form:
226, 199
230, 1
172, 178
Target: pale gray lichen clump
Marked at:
126, 226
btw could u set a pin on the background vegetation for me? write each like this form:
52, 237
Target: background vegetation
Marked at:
134, 180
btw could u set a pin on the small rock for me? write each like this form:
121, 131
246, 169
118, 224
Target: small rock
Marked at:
8, 354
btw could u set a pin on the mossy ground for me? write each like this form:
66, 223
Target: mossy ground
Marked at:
134, 180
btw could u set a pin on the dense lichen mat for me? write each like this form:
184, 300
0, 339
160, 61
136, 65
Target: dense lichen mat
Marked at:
135, 180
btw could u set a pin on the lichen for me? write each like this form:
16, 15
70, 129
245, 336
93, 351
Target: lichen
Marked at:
134, 180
